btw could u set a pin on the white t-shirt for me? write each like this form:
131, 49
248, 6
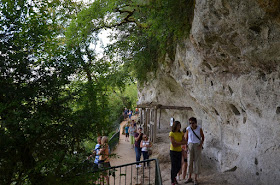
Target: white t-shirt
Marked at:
145, 148
191, 136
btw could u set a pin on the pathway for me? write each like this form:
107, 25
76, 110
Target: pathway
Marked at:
125, 154
123, 150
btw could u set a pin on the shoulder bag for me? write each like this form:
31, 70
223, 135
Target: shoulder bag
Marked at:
196, 136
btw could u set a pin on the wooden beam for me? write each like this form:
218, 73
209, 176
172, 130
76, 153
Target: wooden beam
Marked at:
159, 106
151, 105
176, 107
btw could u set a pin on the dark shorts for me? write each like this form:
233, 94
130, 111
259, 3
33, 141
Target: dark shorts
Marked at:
102, 165
95, 167
126, 134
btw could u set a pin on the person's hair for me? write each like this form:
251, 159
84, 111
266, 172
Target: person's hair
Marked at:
193, 119
104, 139
174, 126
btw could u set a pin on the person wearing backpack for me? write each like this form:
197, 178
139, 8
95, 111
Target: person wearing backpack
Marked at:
195, 137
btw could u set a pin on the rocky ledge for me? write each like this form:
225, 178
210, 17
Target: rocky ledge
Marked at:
228, 72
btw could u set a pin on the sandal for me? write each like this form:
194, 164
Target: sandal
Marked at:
189, 180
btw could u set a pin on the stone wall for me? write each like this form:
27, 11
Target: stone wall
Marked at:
228, 72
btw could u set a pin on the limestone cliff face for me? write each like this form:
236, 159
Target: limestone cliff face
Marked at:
228, 72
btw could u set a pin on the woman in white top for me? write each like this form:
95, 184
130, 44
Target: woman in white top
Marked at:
145, 145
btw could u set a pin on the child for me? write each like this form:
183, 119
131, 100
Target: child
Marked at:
126, 132
145, 145
184, 167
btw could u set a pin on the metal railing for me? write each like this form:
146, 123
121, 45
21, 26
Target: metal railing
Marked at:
129, 174
114, 140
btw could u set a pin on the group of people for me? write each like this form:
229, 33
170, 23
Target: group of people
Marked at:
185, 150
101, 154
139, 141
127, 113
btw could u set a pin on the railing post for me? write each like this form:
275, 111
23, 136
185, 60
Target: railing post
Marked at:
155, 123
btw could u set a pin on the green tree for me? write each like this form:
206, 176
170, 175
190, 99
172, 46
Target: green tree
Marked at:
38, 131
56, 92
145, 31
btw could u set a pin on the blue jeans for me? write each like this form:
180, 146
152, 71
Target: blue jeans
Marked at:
145, 156
138, 154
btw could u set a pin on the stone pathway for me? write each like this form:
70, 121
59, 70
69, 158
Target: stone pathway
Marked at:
124, 154
124, 151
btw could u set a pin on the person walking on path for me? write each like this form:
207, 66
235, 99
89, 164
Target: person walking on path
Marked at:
195, 138
145, 147
138, 139
125, 113
130, 114
133, 122
132, 130
126, 132
176, 139
136, 111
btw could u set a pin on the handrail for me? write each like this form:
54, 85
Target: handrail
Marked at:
158, 179
114, 140
158, 174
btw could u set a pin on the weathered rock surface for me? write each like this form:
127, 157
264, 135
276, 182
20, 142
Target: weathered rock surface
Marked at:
228, 72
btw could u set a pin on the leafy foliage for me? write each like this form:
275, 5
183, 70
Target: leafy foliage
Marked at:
145, 30
38, 130
165, 23
57, 93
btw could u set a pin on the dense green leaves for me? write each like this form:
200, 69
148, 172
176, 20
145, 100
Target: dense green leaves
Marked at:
58, 91
144, 31
38, 129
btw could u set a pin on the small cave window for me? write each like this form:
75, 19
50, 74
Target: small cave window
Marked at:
244, 120
216, 112
230, 90
278, 110
234, 110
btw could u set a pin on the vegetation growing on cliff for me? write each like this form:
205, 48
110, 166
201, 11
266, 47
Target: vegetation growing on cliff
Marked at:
144, 31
